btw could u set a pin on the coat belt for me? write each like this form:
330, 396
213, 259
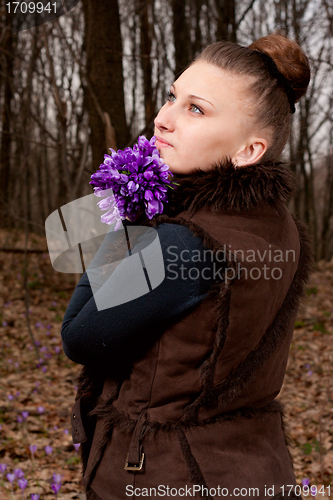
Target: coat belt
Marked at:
135, 456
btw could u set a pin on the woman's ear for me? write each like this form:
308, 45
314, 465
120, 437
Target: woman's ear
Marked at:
251, 153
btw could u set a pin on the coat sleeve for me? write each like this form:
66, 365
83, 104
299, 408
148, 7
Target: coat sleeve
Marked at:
90, 335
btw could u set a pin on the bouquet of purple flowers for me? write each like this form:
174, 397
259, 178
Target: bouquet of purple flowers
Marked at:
139, 180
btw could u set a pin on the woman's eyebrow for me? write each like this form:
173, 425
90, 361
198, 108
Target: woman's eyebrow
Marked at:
191, 96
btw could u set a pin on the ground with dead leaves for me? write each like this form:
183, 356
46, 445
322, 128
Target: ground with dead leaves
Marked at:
37, 390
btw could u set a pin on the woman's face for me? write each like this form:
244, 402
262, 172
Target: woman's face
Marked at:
205, 119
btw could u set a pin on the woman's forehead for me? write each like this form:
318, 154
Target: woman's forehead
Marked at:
210, 82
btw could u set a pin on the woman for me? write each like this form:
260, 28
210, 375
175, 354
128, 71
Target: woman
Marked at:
177, 397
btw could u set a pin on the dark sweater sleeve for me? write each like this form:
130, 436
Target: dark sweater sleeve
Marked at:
91, 336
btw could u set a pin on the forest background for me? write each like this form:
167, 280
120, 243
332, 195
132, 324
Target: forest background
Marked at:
95, 78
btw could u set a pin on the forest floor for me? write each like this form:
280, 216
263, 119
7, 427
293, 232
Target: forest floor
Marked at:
37, 392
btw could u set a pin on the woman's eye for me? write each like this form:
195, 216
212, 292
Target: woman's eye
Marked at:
196, 109
170, 96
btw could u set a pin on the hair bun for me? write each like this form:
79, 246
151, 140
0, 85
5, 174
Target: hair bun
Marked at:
289, 59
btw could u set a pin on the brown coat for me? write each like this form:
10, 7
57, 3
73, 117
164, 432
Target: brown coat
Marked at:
200, 404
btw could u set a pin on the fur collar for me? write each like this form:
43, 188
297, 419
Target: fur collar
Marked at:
225, 187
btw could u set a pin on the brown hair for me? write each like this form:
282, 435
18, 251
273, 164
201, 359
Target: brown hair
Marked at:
269, 96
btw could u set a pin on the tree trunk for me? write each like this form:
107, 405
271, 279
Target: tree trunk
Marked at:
226, 21
9, 45
104, 91
197, 44
145, 42
327, 211
181, 35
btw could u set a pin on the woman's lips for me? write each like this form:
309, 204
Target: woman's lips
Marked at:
161, 143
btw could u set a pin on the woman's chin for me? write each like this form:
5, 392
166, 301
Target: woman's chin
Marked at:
165, 157
177, 169
172, 167
161, 152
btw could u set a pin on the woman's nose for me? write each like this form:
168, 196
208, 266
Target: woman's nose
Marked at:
164, 120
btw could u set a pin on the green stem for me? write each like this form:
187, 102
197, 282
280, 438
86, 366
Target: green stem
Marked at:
174, 185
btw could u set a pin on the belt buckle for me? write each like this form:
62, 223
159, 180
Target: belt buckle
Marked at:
134, 467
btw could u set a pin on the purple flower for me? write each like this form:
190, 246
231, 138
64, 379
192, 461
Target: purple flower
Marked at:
19, 474
306, 482
33, 449
35, 496
11, 478
44, 369
40, 409
48, 450
3, 467
55, 487
113, 214
57, 349
76, 446
66, 431
136, 179
19, 419
57, 478
4, 323
25, 415
54, 303
56, 484
23, 483
10, 397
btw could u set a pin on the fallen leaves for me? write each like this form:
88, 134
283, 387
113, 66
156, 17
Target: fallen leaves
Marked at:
45, 387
